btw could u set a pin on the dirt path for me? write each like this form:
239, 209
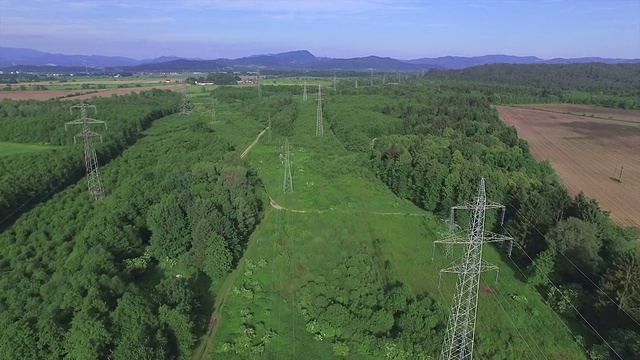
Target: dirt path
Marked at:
276, 206
246, 151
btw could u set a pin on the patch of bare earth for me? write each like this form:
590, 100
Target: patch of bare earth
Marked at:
590, 111
585, 152
83, 94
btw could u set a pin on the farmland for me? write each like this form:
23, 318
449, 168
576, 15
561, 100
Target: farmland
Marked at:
77, 94
586, 152
589, 111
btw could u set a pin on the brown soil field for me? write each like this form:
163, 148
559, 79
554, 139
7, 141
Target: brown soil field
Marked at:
585, 152
104, 82
85, 94
586, 110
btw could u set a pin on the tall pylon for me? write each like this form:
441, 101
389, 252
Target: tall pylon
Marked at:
371, 79
94, 183
259, 84
356, 83
287, 183
185, 104
458, 342
269, 135
304, 92
334, 82
319, 125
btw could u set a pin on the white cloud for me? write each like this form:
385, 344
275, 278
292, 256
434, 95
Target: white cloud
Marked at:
145, 20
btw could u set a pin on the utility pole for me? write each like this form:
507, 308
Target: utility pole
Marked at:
319, 125
458, 343
287, 184
185, 104
96, 190
304, 92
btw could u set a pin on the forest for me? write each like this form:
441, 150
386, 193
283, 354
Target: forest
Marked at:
186, 228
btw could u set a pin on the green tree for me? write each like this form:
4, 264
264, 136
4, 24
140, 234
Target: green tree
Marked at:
169, 231
541, 268
619, 294
577, 241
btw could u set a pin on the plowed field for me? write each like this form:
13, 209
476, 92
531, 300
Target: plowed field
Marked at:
586, 152
84, 94
586, 110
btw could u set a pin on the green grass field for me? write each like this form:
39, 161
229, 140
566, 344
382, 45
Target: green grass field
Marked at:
347, 209
7, 148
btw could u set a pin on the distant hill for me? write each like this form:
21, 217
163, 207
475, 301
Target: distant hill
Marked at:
18, 56
458, 62
298, 59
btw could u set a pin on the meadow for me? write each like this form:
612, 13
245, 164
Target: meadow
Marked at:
340, 208
8, 148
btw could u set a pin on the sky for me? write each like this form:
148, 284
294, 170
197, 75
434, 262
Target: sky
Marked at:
402, 29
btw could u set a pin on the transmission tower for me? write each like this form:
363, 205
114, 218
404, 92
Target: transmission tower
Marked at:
356, 83
458, 343
259, 85
304, 92
371, 79
334, 83
287, 184
384, 79
185, 104
319, 127
96, 190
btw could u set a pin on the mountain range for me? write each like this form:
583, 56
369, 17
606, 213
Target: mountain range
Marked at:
300, 59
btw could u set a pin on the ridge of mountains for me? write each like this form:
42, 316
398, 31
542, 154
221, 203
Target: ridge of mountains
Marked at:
15, 58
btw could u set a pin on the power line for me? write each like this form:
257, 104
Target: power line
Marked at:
555, 248
96, 189
459, 342
566, 299
287, 184
319, 124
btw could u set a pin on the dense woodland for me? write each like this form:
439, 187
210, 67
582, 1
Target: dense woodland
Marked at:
128, 277
134, 276
615, 86
28, 178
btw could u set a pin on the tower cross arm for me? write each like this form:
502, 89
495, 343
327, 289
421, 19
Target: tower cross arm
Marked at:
84, 121
459, 268
453, 239
493, 237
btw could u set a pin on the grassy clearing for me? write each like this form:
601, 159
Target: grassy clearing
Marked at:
8, 148
349, 209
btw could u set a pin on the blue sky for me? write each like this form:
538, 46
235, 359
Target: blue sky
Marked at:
404, 29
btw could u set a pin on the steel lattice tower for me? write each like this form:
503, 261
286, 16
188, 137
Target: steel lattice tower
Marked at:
259, 85
304, 92
287, 184
319, 125
458, 343
185, 104
371, 79
96, 190
356, 83
334, 83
